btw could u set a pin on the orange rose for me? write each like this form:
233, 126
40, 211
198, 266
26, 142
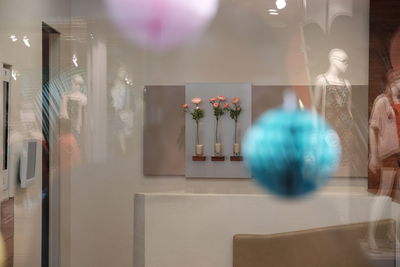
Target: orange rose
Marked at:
196, 100
226, 106
216, 105
222, 98
235, 100
213, 99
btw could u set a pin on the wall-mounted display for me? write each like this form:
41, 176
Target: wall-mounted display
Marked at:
164, 155
217, 129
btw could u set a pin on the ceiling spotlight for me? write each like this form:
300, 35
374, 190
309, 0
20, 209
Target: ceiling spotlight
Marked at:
280, 4
13, 38
274, 13
75, 60
26, 41
272, 10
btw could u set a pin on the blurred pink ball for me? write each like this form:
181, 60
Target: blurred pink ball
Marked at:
161, 24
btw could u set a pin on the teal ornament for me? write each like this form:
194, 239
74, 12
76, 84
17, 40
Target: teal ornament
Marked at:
291, 152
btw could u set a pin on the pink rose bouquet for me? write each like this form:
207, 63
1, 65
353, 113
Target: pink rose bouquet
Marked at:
234, 112
219, 108
197, 113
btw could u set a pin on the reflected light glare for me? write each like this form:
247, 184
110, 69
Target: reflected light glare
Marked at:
280, 4
14, 74
75, 60
26, 41
301, 105
272, 10
274, 13
13, 38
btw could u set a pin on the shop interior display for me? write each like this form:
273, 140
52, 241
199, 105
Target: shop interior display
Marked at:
164, 114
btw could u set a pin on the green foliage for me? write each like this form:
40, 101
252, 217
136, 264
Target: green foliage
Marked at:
197, 114
218, 112
235, 112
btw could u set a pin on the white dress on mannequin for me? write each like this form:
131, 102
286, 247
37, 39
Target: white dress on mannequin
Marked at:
73, 104
121, 102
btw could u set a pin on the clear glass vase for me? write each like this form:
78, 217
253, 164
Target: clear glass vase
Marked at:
218, 143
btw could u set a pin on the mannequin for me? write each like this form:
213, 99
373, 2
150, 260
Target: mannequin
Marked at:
332, 99
73, 104
121, 98
384, 134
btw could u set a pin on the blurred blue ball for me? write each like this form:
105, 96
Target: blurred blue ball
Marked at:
291, 152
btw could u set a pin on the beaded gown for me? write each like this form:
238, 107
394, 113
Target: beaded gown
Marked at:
337, 113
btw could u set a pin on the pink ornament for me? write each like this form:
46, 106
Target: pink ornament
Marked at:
161, 24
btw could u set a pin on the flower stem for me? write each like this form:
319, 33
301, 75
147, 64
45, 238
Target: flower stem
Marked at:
216, 132
235, 131
197, 133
